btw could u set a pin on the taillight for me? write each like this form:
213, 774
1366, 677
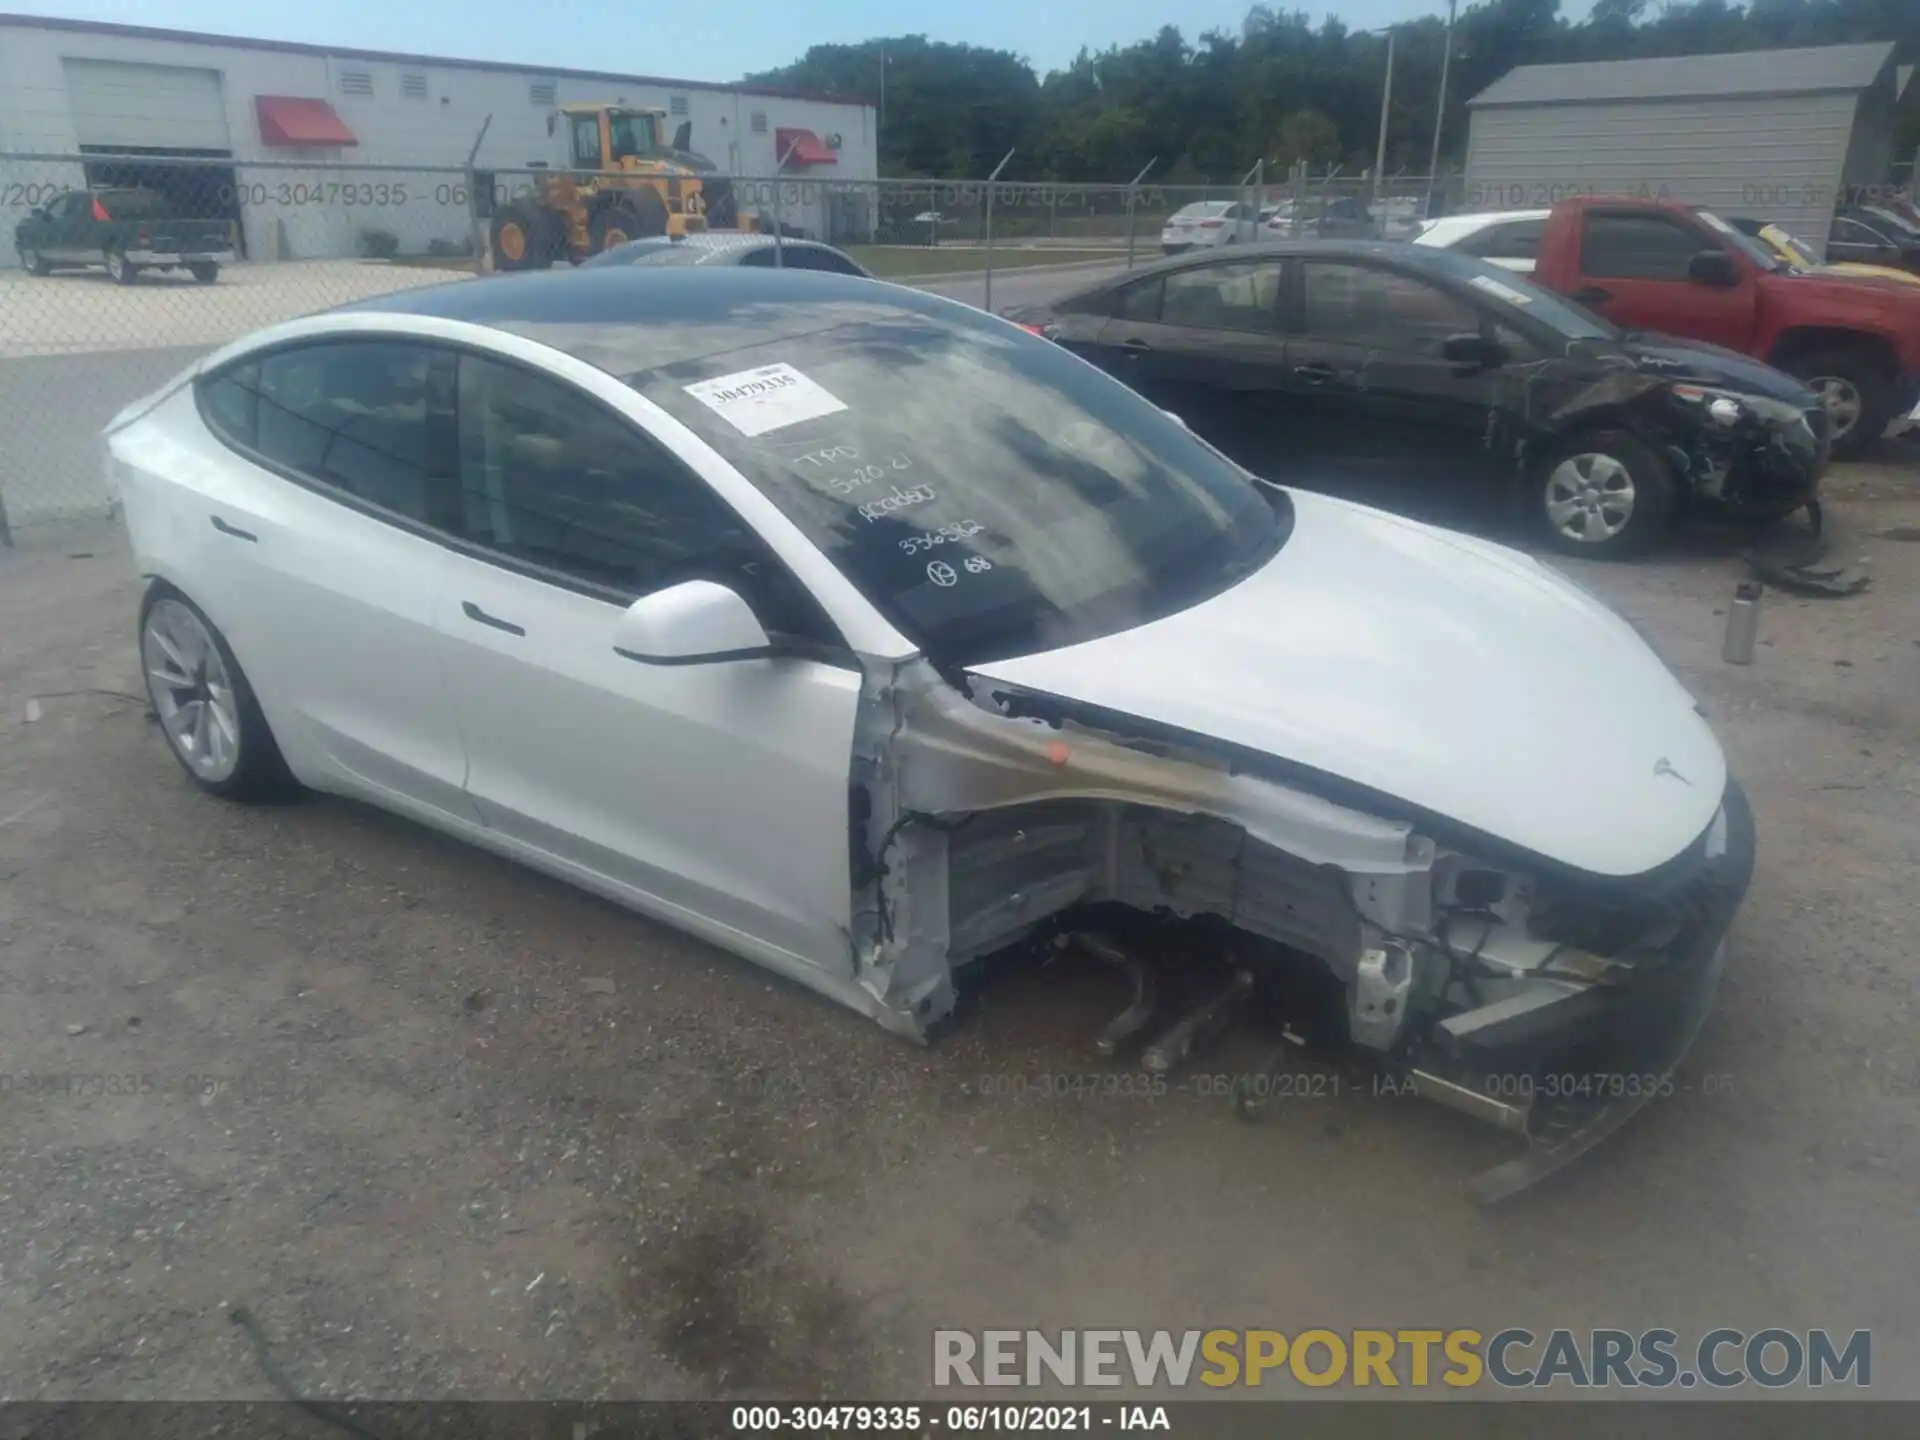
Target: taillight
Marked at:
141, 238
1045, 332
99, 210
1211, 224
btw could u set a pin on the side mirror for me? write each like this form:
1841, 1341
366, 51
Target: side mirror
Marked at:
1713, 267
1472, 350
695, 623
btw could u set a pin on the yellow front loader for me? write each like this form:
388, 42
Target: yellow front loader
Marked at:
624, 183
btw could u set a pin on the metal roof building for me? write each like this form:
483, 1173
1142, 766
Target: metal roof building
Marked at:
1776, 134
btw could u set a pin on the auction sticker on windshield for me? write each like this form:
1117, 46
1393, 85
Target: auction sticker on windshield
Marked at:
769, 397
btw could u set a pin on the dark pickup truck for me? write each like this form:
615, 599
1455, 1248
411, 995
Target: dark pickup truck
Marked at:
127, 231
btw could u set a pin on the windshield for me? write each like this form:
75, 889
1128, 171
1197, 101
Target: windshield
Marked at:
632, 135
1520, 296
988, 492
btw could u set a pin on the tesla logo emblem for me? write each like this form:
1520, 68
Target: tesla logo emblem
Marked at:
942, 574
1664, 766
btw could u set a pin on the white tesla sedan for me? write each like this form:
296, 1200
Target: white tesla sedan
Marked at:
869, 636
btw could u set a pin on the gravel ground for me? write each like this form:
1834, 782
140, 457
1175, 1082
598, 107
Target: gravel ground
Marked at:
447, 1128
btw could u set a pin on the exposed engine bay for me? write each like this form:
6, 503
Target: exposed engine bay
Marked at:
987, 819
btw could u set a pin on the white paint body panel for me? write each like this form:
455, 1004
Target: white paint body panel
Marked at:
1450, 673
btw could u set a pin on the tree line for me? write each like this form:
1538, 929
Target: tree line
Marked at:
1284, 88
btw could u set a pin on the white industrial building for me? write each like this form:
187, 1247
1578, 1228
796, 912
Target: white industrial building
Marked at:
253, 130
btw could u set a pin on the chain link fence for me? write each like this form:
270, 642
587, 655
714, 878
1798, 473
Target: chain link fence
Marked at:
117, 271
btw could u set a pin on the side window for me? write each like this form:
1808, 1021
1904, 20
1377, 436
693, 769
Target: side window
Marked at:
550, 477
1639, 247
228, 401
801, 257
586, 142
1852, 232
1361, 305
1223, 297
1139, 302
355, 415
1515, 240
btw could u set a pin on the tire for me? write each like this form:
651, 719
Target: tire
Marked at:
523, 238
1603, 494
207, 711
33, 262
1849, 383
120, 270
205, 271
635, 215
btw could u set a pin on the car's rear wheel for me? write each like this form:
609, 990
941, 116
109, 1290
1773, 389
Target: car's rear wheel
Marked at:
1857, 392
205, 271
121, 270
206, 708
1603, 494
33, 262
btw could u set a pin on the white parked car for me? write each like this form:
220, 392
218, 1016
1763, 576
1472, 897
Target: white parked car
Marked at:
868, 636
1507, 238
1207, 223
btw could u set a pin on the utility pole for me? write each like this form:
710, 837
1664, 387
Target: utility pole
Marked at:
1386, 99
881, 123
1440, 109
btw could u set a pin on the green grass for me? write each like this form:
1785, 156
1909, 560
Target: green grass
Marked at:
892, 262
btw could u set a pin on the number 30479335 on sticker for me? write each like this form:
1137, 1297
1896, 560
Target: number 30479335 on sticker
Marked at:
769, 397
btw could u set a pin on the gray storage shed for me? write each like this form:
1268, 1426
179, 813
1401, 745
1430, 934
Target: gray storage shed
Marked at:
1775, 134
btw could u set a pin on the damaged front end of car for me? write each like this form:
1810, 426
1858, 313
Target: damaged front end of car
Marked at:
1548, 1003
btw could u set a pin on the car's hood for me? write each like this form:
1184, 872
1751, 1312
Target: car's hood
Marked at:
1455, 676
1699, 363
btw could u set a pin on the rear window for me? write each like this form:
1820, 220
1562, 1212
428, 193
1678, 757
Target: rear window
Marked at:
1512, 240
988, 492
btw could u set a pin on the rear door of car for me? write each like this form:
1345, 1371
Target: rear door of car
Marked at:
1634, 270
713, 794
1374, 404
73, 234
1203, 342
319, 541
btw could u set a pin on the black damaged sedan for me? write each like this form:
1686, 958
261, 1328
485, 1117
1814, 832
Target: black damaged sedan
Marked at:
1351, 365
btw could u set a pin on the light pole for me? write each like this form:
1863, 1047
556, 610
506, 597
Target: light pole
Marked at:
1440, 109
1386, 99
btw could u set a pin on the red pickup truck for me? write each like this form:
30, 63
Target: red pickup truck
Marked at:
1654, 265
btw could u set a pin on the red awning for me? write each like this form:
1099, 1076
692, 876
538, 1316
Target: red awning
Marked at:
290, 120
806, 148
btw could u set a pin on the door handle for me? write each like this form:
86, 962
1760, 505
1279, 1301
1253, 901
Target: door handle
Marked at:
1316, 374
1135, 344
225, 529
1592, 295
474, 612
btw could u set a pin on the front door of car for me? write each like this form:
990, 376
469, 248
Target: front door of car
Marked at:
713, 794
1378, 408
317, 567
69, 232
1636, 269
1202, 341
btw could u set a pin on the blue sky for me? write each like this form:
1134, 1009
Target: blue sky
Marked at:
688, 39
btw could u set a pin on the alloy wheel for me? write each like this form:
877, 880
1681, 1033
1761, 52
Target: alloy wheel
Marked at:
1589, 498
1842, 400
191, 690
